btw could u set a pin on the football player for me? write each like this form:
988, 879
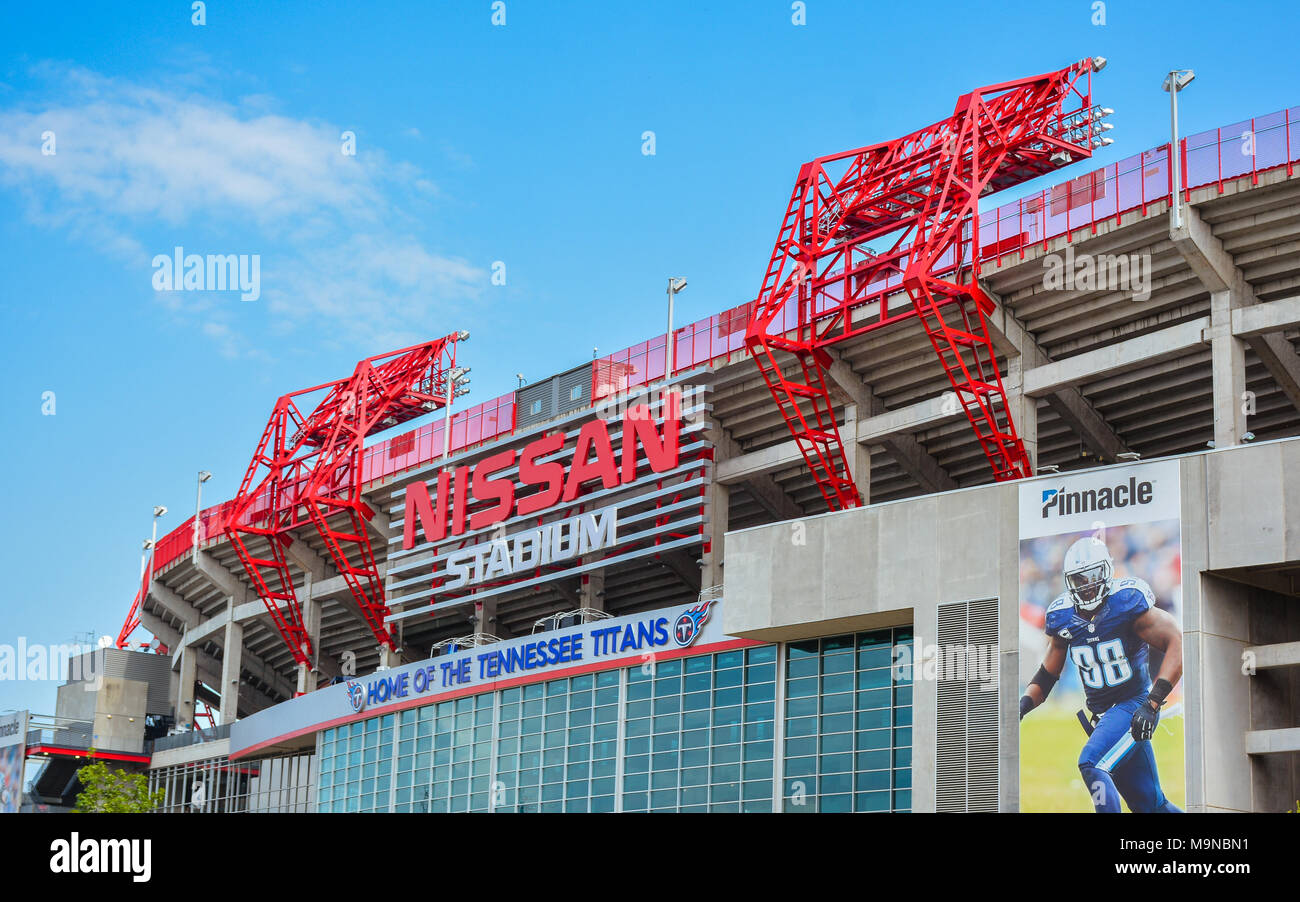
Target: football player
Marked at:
1106, 625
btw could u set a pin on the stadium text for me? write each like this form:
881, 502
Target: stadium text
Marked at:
554, 482
590, 643
551, 544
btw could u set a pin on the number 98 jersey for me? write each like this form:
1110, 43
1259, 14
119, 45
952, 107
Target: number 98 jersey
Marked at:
1111, 658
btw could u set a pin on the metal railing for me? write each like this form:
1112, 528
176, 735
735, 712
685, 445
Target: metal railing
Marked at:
66, 733
191, 737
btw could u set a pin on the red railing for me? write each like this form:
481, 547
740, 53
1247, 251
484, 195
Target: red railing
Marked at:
473, 426
1209, 158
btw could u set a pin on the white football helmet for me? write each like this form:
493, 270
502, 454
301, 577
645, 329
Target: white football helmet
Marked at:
1089, 573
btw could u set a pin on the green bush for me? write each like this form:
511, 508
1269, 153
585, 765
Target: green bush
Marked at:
105, 789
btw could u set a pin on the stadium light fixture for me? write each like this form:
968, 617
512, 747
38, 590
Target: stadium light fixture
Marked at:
676, 285
1175, 81
203, 477
1098, 63
152, 545
1179, 78
457, 386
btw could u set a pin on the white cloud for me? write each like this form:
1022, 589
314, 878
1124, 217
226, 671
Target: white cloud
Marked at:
338, 250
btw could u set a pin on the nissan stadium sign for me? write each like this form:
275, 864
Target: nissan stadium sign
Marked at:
588, 493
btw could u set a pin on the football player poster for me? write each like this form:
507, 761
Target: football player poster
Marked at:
1101, 663
13, 747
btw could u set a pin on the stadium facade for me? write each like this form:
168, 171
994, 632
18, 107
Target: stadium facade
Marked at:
620, 590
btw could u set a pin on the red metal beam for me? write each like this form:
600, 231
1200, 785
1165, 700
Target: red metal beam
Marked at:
306, 472
918, 197
34, 750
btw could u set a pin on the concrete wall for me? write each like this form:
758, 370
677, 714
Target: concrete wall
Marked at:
199, 751
1216, 693
119, 714
75, 701
1274, 701
881, 566
116, 710
1252, 493
894, 563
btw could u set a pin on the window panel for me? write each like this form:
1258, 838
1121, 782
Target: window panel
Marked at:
848, 758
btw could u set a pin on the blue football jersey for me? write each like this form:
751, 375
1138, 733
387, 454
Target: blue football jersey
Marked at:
1111, 658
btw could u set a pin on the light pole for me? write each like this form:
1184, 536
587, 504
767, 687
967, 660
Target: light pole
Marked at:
1175, 81
152, 545
675, 285
204, 476
456, 380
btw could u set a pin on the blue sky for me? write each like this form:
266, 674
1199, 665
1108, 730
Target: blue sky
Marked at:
475, 143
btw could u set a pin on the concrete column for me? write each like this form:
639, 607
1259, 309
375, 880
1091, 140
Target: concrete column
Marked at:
232, 654
859, 455
185, 688
311, 611
1228, 358
719, 513
591, 594
486, 620
1023, 409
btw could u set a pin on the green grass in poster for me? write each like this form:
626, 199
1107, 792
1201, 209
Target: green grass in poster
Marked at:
1050, 742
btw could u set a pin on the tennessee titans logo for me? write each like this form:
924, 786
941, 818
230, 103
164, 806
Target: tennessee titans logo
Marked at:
687, 628
356, 696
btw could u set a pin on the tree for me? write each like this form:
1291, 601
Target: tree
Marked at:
104, 789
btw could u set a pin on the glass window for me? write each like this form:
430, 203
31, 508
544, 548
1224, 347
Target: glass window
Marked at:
846, 712
697, 734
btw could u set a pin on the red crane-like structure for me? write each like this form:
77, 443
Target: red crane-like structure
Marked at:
919, 195
306, 473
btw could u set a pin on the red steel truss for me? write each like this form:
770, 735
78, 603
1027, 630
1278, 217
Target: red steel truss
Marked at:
918, 196
306, 472
132, 621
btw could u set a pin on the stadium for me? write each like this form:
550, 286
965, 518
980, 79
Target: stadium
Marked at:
796, 556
